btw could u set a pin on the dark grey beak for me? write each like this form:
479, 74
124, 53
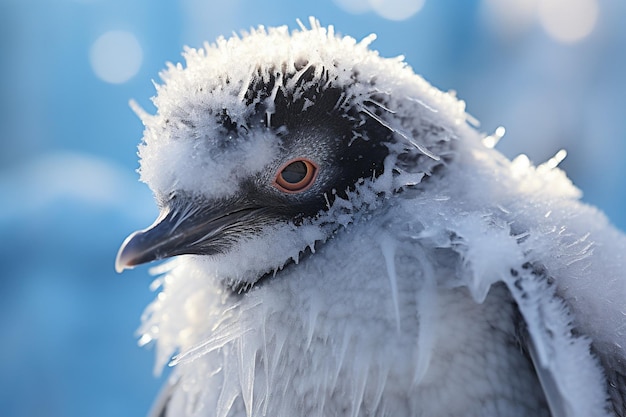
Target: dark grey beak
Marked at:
189, 229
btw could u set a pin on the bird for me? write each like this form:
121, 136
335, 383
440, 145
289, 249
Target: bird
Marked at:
341, 240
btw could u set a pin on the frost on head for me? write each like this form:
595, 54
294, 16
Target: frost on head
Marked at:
221, 117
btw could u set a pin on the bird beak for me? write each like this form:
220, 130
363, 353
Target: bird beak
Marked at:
178, 232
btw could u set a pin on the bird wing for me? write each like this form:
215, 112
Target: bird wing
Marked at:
574, 376
561, 260
569, 296
615, 369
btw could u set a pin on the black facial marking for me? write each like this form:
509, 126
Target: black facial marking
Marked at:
312, 117
308, 107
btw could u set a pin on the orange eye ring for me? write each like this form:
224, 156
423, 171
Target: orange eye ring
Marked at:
296, 176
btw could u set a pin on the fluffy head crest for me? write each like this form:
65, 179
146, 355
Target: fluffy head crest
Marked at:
220, 114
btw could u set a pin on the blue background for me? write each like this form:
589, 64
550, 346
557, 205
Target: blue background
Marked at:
70, 194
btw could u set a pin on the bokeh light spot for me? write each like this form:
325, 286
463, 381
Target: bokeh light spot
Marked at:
116, 56
396, 9
387, 9
510, 18
354, 6
568, 21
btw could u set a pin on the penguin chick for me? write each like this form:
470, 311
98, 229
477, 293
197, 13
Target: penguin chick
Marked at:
345, 244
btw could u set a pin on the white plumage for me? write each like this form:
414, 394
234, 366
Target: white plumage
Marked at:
417, 272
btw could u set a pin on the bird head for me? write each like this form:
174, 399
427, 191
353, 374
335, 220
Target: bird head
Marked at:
266, 144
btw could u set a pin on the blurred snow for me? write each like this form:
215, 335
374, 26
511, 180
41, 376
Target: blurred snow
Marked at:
49, 179
116, 56
63, 309
70, 194
566, 21
387, 9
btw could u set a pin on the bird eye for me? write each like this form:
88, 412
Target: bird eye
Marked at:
296, 176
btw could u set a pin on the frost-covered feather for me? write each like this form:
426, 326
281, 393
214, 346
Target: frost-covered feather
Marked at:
450, 281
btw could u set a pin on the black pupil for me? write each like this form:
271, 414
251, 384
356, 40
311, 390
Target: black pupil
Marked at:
294, 172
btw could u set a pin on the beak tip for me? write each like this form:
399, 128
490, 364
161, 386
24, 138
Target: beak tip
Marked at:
120, 263
124, 258
119, 266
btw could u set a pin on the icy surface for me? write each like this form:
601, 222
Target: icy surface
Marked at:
426, 262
